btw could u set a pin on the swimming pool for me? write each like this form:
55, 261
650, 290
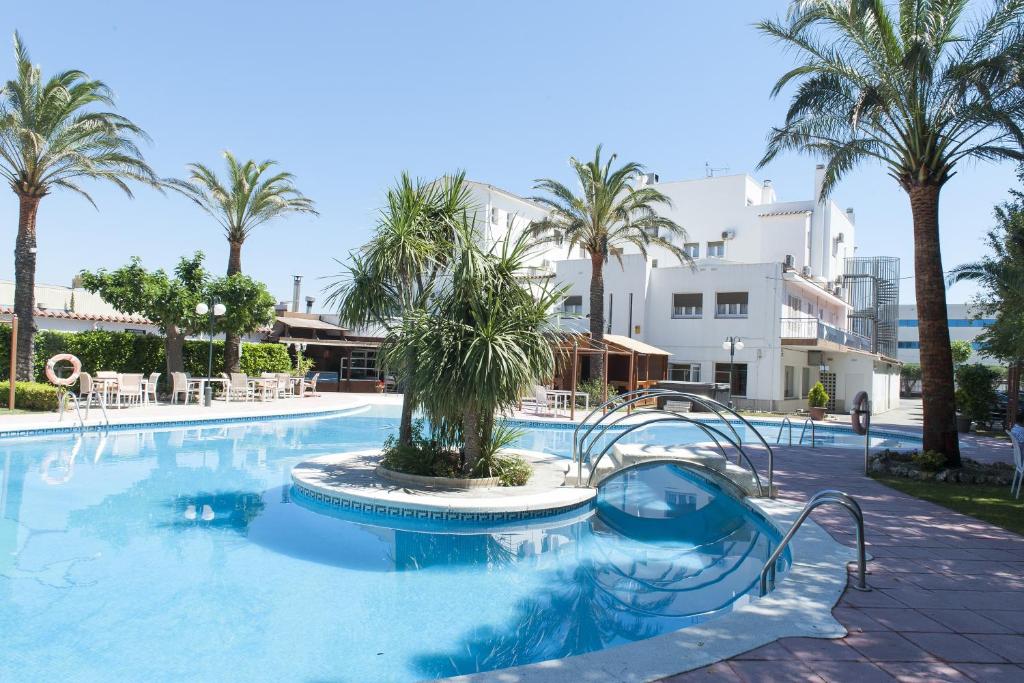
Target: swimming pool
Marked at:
183, 553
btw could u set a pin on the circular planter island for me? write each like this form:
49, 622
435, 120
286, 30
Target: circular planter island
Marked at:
355, 481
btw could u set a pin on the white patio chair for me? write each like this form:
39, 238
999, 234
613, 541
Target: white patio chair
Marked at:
87, 392
182, 386
309, 387
284, 385
239, 386
541, 399
129, 389
150, 392
1018, 466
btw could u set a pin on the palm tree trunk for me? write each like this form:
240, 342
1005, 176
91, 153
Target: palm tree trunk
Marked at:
232, 342
939, 404
597, 314
471, 435
25, 284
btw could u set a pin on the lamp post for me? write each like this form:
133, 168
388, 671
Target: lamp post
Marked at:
214, 309
732, 345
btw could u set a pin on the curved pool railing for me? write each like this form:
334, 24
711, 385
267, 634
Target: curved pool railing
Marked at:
638, 395
711, 473
622, 418
822, 498
673, 418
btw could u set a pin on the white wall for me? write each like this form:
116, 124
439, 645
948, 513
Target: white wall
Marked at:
955, 313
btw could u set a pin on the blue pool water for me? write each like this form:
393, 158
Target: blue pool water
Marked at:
183, 554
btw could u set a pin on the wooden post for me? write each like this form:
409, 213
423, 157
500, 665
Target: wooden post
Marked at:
1012, 393
629, 382
14, 361
604, 390
572, 384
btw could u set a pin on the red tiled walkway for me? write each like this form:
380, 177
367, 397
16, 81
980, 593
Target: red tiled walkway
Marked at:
948, 598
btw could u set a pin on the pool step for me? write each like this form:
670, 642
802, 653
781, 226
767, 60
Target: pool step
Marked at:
623, 455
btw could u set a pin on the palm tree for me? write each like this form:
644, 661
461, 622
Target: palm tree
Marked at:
394, 274
612, 210
53, 134
917, 90
252, 194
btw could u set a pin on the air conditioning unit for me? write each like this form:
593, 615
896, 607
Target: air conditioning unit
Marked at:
806, 271
839, 280
654, 263
728, 234
840, 238
838, 291
790, 262
815, 358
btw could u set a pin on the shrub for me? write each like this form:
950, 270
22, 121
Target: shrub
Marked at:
513, 470
817, 397
929, 461
29, 395
595, 389
976, 392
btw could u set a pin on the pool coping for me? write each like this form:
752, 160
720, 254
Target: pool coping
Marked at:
800, 606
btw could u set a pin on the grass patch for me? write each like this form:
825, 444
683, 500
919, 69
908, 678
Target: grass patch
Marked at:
991, 504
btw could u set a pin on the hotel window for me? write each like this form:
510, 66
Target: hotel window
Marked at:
790, 382
716, 249
738, 379
494, 215
573, 305
687, 305
795, 304
805, 382
364, 365
684, 372
558, 237
692, 249
731, 305
510, 218
653, 231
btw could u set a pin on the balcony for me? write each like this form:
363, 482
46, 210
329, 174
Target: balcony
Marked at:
807, 331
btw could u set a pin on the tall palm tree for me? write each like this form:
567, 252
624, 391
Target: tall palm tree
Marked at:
253, 193
917, 89
611, 210
393, 275
54, 133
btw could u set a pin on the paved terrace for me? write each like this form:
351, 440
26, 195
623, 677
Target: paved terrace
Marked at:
948, 598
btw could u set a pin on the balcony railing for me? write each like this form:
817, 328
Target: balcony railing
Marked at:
814, 329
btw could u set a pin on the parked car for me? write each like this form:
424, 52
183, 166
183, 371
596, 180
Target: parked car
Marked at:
1000, 406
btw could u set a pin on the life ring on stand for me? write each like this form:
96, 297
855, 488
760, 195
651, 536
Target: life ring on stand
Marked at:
860, 415
76, 370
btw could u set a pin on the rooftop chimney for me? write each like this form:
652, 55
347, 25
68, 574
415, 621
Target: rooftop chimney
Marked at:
309, 304
819, 182
296, 291
767, 193
850, 215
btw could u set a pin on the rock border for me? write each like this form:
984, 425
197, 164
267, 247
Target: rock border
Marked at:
454, 483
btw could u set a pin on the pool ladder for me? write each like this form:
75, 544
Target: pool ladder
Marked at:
788, 424
822, 498
73, 397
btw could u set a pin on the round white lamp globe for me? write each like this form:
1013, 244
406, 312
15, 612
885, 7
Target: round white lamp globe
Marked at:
219, 309
202, 309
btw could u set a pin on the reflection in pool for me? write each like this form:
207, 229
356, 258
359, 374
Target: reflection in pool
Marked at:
184, 554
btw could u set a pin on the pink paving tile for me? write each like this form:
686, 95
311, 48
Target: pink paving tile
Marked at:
855, 620
993, 673
771, 651
920, 597
872, 598
886, 647
953, 647
965, 621
904, 619
1011, 619
774, 672
861, 672
716, 673
1011, 647
820, 649
924, 672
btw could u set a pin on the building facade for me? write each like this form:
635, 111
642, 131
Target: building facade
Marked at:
769, 273
965, 324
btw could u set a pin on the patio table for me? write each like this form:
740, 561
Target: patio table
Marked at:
203, 381
563, 396
266, 386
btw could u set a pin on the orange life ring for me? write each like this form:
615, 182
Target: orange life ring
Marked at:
860, 415
76, 370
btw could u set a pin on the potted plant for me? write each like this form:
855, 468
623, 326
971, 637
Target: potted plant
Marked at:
975, 395
817, 399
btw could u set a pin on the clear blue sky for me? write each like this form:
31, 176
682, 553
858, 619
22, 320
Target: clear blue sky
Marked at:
348, 94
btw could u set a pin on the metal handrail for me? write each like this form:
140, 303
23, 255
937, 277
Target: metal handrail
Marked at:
666, 460
676, 418
785, 421
821, 498
647, 393
597, 439
78, 409
808, 421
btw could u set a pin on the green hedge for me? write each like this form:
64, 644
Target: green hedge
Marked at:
29, 395
128, 352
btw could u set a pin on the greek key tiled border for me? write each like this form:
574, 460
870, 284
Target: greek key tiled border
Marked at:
126, 426
343, 503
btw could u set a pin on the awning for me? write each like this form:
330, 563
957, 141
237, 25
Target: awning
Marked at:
631, 344
345, 343
308, 324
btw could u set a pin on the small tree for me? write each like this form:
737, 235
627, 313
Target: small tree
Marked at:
961, 351
817, 397
169, 302
910, 375
247, 302
976, 394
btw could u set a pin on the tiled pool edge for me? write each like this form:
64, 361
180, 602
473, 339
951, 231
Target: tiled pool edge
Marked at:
172, 423
800, 606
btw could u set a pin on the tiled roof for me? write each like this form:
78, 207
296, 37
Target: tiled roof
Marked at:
786, 212
61, 314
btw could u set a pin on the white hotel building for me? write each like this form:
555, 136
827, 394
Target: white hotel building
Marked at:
775, 274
